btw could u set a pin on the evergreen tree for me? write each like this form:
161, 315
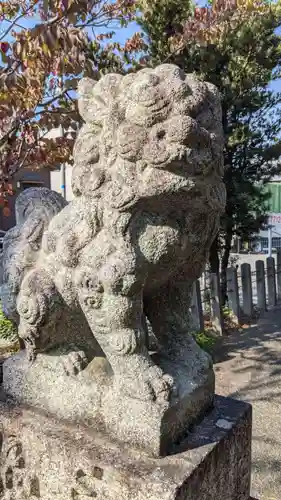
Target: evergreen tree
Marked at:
234, 45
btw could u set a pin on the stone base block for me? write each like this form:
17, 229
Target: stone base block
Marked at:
91, 398
44, 458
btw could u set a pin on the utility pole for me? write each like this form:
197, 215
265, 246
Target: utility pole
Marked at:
270, 240
62, 176
62, 171
62, 168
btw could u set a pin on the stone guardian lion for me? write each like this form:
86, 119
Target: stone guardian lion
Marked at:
148, 195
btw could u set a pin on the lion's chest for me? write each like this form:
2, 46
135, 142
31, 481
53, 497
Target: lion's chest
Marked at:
160, 239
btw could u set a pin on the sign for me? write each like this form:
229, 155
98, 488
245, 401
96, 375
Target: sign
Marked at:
274, 220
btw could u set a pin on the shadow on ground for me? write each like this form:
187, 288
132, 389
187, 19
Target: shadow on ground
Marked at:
248, 367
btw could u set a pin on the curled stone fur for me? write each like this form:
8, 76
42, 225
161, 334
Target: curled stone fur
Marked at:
147, 180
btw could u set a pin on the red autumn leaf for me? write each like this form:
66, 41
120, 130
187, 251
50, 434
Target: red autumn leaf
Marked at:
4, 47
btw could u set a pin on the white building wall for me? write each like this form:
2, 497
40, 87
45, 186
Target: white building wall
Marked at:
68, 190
56, 182
56, 179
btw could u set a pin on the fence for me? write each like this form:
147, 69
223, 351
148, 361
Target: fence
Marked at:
248, 290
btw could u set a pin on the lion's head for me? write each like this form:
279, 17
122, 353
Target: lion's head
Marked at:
147, 133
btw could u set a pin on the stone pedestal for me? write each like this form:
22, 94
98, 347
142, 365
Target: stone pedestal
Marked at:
92, 399
44, 458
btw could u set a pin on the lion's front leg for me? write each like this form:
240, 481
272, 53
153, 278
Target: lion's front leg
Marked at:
114, 314
168, 312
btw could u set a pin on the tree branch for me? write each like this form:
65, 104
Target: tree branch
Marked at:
20, 16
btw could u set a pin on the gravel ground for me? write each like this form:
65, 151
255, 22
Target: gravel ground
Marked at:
248, 367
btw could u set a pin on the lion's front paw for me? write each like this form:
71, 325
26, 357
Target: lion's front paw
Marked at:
74, 362
150, 385
160, 385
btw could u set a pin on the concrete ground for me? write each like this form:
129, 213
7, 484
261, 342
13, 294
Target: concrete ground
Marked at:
248, 367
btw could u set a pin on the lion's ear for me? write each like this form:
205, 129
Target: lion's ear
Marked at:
85, 91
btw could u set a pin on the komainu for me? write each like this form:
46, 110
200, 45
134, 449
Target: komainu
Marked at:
148, 194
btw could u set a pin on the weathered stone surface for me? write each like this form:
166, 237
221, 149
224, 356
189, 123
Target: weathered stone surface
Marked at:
42, 457
98, 403
34, 209
82, 280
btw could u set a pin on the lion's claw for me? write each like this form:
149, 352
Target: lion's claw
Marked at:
75, 362
151, 385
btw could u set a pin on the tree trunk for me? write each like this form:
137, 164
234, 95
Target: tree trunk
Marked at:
224, 264
214, 256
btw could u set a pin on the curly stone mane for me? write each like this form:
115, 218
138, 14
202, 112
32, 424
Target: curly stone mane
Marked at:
161, 119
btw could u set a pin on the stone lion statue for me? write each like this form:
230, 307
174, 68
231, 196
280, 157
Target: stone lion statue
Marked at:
147, 181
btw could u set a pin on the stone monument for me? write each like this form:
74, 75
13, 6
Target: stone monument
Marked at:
88, 410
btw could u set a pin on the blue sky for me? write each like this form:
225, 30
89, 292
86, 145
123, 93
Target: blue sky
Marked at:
125, 33
122, 34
